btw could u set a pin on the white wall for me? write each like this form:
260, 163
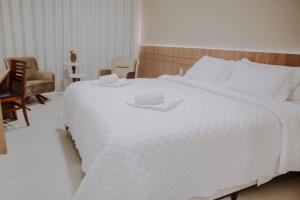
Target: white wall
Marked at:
259, 25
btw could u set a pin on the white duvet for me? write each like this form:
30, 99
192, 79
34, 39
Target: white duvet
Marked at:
213, 140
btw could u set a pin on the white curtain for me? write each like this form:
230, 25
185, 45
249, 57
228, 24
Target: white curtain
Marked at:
48, 29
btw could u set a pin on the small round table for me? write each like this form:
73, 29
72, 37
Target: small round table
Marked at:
75, 76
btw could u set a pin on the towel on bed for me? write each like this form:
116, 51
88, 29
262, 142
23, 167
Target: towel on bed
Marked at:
166, 105
150, 98
119, 83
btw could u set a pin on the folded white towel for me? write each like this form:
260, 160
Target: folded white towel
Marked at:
108, 80
120, 83
168, 104
151, 98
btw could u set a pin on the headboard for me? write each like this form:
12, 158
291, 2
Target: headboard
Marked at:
158, 60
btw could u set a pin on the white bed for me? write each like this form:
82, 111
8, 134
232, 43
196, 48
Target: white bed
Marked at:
215, 139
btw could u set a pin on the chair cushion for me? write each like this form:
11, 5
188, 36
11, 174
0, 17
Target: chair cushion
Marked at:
32, 68
36, 87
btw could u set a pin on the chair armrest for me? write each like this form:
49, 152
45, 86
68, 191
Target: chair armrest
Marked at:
45, 75
130, 75
103, 72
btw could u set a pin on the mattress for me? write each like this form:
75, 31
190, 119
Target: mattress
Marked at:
214, 139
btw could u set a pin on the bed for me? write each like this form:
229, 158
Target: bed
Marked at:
216, 142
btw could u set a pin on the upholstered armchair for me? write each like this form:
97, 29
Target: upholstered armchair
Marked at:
37, 81
124, 67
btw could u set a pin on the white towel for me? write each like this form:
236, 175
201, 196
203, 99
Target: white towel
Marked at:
151, 98
120, 83
168, 104
108, 80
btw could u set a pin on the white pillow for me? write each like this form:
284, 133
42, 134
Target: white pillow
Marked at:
295, 94
209, 69
262, 81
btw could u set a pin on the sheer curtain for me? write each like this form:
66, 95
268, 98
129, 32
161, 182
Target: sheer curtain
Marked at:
48, 29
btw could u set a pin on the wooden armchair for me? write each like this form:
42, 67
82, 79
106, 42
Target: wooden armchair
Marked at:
15, 94
124, 67
37, 81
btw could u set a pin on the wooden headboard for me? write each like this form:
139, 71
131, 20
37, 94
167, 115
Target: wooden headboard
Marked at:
157, 60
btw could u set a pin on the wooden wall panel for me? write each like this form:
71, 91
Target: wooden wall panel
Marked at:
155, 60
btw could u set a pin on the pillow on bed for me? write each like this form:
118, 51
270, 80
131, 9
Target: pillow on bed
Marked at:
295, 94
209, 69
262, 81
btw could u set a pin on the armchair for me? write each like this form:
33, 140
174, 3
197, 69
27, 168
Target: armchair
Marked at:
37, 81
124, 67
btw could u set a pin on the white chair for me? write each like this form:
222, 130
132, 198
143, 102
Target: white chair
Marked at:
124, 67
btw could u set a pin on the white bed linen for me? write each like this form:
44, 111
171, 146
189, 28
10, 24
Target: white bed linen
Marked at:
211, 70
214, 139
264, 82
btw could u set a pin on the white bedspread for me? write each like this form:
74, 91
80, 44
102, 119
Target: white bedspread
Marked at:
214, 139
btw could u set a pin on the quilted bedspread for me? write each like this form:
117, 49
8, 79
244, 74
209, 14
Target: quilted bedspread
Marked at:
213, 140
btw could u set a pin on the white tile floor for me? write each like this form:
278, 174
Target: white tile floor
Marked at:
42, 164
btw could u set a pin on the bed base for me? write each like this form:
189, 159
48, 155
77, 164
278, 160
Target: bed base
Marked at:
233, 192
233, 196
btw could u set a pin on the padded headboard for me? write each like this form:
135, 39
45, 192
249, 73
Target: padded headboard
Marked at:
158, 60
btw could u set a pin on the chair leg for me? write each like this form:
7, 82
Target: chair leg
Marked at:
40, 99
43, 97
234, 196
14, 115
25, 112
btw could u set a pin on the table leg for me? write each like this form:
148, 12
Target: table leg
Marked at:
74, 69
76, 79
2, 137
